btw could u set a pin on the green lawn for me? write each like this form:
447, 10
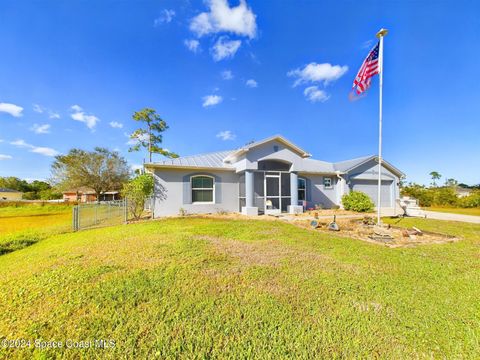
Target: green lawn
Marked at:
23, 225
210, 288
463, 211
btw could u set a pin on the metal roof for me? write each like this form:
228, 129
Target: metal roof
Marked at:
216, 160
9, 190
209, 160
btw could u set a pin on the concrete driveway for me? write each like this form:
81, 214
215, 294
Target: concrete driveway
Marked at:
452, 217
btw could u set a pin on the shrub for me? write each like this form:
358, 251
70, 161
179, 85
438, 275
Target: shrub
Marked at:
357, 201
136, 191
470, 201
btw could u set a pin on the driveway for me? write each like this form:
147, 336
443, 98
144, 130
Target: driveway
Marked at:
452, 217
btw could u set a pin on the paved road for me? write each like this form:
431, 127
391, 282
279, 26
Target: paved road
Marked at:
452, 217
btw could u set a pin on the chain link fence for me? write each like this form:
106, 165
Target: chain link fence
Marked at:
100, 214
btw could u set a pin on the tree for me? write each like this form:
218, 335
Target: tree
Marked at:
451, 182
151, 137
435, 176
136, 191
101, 170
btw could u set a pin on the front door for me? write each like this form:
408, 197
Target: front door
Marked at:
273, 200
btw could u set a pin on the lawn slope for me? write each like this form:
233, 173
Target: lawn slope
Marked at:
210, 288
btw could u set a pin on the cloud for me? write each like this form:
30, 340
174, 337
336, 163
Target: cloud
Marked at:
41, 109
116, 124
314, 72
46, 151
12, 109
192, 45
314, 94
38, 108
225, 48
211, 100
165, 17
40, 129
80, 115
251, 83
239, 19
227, 75
5, 157
135, 167
53, 114
135, 141
226, 135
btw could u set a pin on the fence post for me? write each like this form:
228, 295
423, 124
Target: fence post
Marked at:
75, 221
125, 211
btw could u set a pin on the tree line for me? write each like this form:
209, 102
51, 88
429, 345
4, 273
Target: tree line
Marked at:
101, 169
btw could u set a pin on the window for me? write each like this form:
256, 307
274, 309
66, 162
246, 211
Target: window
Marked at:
327, 182
202, 189
302, 189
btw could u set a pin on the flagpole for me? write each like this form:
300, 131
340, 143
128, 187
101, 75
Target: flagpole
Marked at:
380, 35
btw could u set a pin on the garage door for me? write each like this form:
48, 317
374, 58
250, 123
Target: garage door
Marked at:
370, 188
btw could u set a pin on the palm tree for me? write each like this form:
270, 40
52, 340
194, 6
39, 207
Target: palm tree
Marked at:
435, 176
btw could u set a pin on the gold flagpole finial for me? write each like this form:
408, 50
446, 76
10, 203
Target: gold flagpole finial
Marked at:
383, 32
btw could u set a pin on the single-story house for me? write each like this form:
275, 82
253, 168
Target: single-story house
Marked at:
462, 192
266, 177
10, 194
86, 194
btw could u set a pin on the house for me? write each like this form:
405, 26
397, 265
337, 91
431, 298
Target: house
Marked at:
266, 177
10, 194
462, 191
86, 194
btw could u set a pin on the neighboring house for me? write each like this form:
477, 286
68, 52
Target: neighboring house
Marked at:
266, 177
88, 195
462, 192
10, 194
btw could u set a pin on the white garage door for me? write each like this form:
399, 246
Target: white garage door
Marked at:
370, 187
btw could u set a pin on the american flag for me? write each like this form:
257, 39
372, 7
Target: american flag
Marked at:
368, 69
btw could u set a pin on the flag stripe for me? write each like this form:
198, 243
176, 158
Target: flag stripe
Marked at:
369, 68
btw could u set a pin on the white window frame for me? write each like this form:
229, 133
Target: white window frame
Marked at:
331, 182
305, 190
192, 189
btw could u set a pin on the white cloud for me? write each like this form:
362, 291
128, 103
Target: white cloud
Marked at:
80, 115
226, 135
41, 109
165, 17
40, 129
46, 151
314, 72
135, 167
225, 48
38, 108
5, 157
314, 94
192, 45
227, 75
367, 44
211, 100
12, 109
221, 17
53, 114
116, 124
251, 83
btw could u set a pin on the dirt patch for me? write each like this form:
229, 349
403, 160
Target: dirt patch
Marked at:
260, 253
359, 229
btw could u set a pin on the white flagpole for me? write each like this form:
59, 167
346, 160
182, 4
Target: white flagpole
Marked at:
380, 36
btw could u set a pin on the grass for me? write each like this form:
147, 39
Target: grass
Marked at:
24, 225
212, 288
463, 211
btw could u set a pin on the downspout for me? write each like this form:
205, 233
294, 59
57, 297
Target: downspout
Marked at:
342, 188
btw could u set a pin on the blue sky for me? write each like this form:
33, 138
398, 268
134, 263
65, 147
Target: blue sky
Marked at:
224, 73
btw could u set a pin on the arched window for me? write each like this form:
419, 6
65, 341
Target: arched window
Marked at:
203, 189
302, 189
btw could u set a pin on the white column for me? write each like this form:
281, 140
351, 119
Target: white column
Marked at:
294, 208
249, 209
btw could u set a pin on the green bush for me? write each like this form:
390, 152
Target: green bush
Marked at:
470, 201
136, 191
357, 201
